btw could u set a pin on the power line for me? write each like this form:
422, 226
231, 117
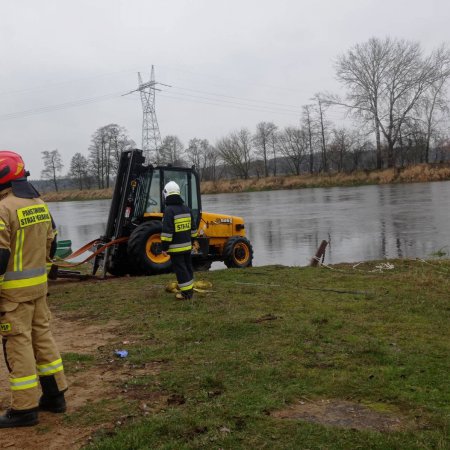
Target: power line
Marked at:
63, 83
229, 104
179, 96
58, 107
234, 97
209, 98
91, 100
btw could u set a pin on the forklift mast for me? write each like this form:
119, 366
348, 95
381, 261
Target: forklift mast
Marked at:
131, 166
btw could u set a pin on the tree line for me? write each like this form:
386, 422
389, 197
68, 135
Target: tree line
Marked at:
396, 105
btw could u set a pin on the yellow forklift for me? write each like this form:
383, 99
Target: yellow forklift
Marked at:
132, 243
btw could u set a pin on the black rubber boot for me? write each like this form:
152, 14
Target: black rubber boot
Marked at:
52, 399
53, 404
15, 418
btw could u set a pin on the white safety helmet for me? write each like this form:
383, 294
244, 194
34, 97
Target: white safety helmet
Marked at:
171, 188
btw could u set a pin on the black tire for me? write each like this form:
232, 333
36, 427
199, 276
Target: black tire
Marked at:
238, 252
120, 268
142, 244
200, 265
120, 263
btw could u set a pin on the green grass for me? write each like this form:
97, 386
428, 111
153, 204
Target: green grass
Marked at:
269, 336
74, 361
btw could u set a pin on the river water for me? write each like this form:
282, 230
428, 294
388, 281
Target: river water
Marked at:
286, 227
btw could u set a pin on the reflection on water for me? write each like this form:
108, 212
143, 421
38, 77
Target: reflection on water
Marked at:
286, 227
80, 221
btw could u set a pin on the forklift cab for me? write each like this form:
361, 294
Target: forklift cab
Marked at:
158, 177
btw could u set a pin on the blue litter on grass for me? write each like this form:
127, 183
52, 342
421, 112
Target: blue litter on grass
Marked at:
121, 353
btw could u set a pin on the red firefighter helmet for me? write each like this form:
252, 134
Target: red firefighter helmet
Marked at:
12, 166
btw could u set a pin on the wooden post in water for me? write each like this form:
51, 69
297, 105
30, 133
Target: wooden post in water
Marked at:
319, 254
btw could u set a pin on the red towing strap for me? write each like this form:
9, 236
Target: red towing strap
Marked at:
86, 247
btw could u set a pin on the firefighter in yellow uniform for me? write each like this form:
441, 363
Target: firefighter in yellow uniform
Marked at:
31, 356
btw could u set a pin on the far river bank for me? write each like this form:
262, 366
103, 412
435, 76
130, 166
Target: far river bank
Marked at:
414, 174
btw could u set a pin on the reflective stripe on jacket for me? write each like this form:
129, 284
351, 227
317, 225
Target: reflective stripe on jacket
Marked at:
177, 230
26, 231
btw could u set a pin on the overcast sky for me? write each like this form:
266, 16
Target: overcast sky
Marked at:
231, 63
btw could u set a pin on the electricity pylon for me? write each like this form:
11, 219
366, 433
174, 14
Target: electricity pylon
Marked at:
151, 137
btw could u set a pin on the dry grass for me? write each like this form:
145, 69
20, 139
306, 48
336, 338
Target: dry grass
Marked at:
425, 172
413, 174
74, 195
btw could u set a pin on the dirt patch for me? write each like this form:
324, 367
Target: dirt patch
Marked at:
345, 414
88, 385
80, 336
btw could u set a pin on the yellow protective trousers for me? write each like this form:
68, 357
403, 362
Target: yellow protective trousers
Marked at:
30, 351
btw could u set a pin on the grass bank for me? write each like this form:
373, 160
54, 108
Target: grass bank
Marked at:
77, 195
413, 174
274, 357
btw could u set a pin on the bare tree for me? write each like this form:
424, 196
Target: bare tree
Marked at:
119, 141
341, 147
293, 144
442, 150
411, 142
308, 127
107, 143
362, 70
361, 151
197, 154
385, 80
263, 141
171, 151
194, 153
434, 104
321, 126
435, 109
52, 166
98, 158
212, 158
79, 169
235, 150
274, 147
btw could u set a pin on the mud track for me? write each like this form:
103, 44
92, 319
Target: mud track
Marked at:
104, 379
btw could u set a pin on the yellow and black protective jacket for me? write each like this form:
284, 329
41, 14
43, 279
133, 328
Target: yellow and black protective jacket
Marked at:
177, 232
24, 224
